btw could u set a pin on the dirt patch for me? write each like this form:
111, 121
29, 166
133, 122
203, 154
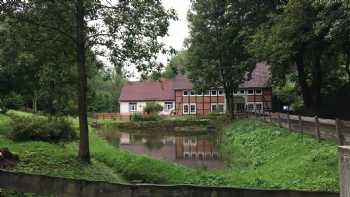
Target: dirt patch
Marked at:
7, 159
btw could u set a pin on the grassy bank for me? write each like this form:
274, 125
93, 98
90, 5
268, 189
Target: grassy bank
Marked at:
258, 155
53, 159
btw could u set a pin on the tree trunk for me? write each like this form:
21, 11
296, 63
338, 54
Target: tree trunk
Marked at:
229, 102
84, 152
35, 102
51, 100
347, 66
316, 84
305, 90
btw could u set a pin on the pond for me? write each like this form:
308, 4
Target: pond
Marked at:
192, 149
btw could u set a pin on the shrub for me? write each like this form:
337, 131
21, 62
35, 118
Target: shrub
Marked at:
26, 128
139, 117
152, 107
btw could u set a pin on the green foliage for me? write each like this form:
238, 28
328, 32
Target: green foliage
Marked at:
107, 86
152, 108
10, 101
137, 117
38, 129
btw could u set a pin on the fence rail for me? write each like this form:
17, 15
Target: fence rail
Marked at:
110, 116
321, 128
45, 185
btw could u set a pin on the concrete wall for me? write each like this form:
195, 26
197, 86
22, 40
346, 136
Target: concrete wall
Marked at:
124, 107
44, 185
344, 160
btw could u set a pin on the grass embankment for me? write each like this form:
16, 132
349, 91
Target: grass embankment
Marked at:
53, 159
258, 155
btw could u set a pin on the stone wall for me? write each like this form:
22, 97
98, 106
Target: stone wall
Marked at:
344, 157
45, 185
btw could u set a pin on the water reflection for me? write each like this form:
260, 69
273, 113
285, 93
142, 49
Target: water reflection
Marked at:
198, 151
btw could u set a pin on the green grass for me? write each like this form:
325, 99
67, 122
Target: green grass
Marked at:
264, 155
258, 155
53, 159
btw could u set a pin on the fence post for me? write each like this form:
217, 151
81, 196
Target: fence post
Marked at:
317, 128
338, 127
300, 124
344, 170
289, 123
279, 120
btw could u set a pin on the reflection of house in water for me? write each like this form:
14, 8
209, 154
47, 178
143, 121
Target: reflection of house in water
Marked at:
194, 148
191, 151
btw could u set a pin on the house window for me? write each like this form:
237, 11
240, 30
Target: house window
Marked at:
168, 106
213, 92
207, 93
193, 93
250, 92
250, 106
186, 109
185, 93
132, 107
193, 108
235, 91
221, 92
258, 106
258, 92
242, 92
199, 93
219, 108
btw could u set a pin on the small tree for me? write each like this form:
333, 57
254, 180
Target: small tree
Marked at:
152, 108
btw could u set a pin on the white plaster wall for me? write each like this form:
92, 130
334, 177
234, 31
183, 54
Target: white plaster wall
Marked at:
124, 107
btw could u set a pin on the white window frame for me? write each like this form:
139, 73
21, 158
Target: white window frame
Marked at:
235, 92
259, 103
252, 92
167, 104
250, 104
217, 104
222, 92
188, 108
192, 93
183, 93
207, 93
240, 92
135, 108
195, 108
261, 92
211, 93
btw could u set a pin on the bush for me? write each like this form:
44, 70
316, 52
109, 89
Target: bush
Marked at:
139, 117
10, 101
26, 128
151, 108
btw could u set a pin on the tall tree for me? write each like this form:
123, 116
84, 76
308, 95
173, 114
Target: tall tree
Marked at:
216, 47
129, 29
298, 37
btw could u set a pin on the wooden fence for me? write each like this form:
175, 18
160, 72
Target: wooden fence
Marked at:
110, 116
319, 127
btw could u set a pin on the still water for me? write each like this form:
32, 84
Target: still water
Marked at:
188, 148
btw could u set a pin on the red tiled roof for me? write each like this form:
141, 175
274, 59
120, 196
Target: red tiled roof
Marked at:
182, 83
260, 77
162, 90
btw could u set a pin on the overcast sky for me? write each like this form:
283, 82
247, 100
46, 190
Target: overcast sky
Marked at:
178, 30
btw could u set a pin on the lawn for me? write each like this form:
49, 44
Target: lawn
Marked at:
257, 155
53, 159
